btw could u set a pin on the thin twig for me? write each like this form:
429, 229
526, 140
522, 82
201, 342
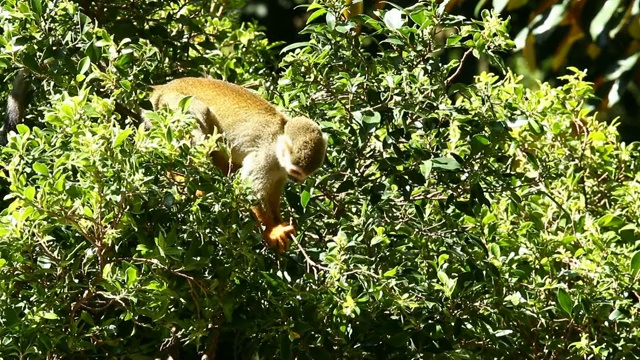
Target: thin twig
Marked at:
314, 264
356, 271
450, 78
306, 256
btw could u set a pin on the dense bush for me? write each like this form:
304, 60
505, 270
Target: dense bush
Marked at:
483, 220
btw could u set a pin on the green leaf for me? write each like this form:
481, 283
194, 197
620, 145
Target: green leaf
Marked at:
565, 302
535, 126
420, 17
87, 318
87, 211
30, 193
445, 163
505, 332
84, 65
390, 273
316, 14
393, 40
126, 84
121, 137
31, 63
67, 109
425, 169
372, 119
36, 7
629, 227
41, 168
453, 40
635, 264
132, 275
615, 315
23, 129
481, 139
102, 43
60, 183
489, 218
314, 5
442, 259
331, 21
285, 347
106, 271
444, 278
495, 250
185, 103
610, 220
598, 136
294, 46
25, 213
304, 198
50, 316
10, 316
345, 186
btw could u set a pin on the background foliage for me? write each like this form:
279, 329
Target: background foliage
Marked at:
600, 37
451, 220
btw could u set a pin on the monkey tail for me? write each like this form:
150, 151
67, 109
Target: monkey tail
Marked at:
16, 104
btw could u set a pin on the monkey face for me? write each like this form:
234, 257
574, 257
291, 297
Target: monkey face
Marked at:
284, 154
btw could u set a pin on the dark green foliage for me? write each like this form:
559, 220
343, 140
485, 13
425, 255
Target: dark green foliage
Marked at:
485, 220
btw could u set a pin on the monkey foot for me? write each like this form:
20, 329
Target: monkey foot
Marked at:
278, 237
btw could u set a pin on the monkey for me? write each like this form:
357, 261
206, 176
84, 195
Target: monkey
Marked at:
16, 105
266, 146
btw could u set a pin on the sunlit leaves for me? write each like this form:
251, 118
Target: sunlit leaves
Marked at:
40, 168
491, 207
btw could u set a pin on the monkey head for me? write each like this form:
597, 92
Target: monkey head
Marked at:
301, 149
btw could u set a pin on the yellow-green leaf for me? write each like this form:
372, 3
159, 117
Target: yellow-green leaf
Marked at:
41, 168
121, 137
30, 193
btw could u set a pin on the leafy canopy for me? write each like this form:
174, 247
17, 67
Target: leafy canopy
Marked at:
451, 220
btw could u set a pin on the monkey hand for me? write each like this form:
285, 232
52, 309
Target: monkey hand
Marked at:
278, 236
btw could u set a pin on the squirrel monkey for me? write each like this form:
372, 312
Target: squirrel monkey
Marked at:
265, 145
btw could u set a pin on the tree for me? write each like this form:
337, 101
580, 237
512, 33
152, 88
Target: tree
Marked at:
451, 220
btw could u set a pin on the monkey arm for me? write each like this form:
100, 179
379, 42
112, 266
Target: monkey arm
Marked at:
276, 232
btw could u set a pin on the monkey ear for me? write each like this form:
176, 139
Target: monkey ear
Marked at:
325, 138
283, 150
